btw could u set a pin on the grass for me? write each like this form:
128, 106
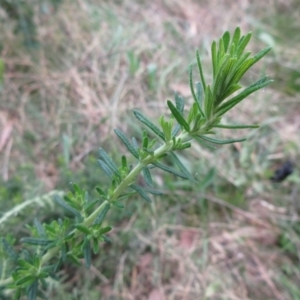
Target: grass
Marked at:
233, 236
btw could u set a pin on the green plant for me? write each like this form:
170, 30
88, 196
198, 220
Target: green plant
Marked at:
79, 233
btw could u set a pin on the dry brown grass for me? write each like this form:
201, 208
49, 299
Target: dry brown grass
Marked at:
234, 260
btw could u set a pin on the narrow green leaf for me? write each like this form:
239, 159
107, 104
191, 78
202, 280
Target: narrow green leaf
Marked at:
99, 219
214, 58
236, 126
63, 251
77, 189
39, 227
67, 207
24, 280
200, 70
101, 192
219, 80
165, 128
36, 241
222, 142
119, 204
147, 176
141, 191
197, 122
106, 169
145, 142
176, 129
243, 43
24, 263
209, 103
87, 255
135, 145
183, 146
152, 143
82, 228
184, 170
192, 84
261, 83
89, 205
170, 170
194, 111
9, 249
199, 97
150, 152
105, 229
203, 143
149, 124
221, 51
237, 63
261, 54
109, 162
153, 192
127, 143
226, 40
32, 290
236, 36
95, 246
106, 239
124, 162
232, 50
177, 115
179, 102
231, 90
241, 70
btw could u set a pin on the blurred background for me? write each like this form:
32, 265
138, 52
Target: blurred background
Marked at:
72, 70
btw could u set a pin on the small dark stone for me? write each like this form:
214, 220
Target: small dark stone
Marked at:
283, 172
